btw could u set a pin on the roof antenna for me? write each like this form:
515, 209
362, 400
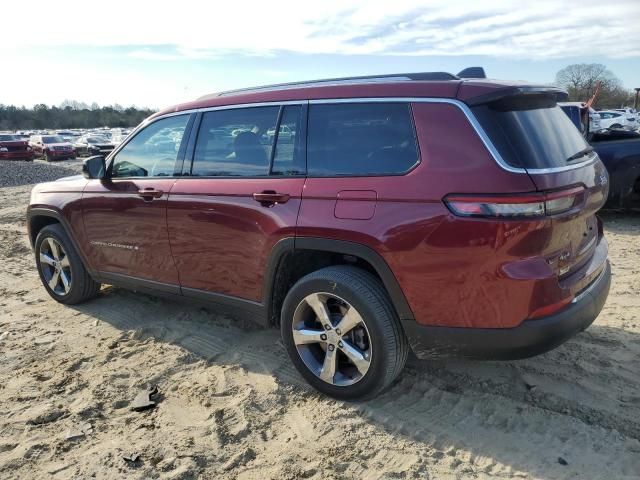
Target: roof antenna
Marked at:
472, 72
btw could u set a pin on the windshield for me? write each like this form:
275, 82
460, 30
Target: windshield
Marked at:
9, 138
53, 139
96, 140
531, 132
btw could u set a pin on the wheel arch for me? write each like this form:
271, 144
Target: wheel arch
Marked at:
40, 217
284, 268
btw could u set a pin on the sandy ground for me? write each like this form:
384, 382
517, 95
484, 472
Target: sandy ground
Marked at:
231, 406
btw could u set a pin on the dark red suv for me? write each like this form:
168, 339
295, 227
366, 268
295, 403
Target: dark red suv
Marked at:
363, 216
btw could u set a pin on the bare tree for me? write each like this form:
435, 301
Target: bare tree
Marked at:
580, 81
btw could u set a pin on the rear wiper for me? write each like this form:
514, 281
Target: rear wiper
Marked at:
580, 154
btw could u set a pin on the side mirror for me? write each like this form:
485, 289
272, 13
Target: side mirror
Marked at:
94, 167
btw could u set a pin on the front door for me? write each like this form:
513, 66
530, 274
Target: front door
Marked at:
125, 215
238, 197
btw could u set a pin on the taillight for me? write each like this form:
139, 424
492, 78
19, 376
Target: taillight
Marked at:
528, 205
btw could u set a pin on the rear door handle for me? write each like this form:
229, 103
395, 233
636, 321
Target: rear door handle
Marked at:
150, 193
270, 197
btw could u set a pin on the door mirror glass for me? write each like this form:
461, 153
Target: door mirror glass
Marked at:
94, 167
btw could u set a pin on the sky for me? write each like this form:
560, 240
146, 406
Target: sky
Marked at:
155, 54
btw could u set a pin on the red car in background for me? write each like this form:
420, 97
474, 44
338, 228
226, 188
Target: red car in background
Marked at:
52, 147
13, 147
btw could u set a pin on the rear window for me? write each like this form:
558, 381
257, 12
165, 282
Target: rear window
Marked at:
360, 139
531, 132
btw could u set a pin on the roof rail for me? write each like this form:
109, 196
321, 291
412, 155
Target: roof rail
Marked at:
472, 72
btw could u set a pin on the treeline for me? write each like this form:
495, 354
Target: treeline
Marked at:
582, 79
69, 115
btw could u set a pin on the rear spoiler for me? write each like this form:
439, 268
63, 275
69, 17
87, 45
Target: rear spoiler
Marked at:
558, 94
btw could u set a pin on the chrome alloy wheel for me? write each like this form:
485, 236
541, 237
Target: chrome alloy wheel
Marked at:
55, 267
332, 339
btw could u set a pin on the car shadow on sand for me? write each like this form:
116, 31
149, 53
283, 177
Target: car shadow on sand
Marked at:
556, 402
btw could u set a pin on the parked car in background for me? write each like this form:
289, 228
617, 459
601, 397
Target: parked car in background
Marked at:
617, 120
432, 213
627, 110
118, 137
580, 110
619, 151
285, 133
13, 147
52, 147
93, 145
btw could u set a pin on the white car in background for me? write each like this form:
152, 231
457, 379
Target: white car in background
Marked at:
595, 122
617, 120
633, 117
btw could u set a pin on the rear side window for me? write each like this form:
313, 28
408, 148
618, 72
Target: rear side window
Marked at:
360, 139
531, 132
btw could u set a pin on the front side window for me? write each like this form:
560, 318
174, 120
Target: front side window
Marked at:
360, 139
153, 151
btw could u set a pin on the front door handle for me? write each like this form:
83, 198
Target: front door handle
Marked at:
150, 193
269, 197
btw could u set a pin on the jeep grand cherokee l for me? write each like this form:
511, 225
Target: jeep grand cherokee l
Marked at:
423, 211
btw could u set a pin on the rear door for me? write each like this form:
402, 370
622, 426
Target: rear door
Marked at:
125, 215
238, 196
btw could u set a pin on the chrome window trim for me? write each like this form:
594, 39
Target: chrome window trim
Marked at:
449, 101
541, 171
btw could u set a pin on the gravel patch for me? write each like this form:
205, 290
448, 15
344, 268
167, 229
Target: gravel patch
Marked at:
15, 173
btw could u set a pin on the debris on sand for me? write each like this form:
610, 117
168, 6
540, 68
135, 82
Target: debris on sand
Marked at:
132, 457
143, 400
79, 431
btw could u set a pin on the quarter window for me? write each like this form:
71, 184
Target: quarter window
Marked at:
288, 158
153, 151
360, 139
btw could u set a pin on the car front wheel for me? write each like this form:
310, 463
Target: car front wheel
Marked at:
342, 333
61, 270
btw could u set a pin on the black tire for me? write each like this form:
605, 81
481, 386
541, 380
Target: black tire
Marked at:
46, 156
83, 286
367, 295
616, 125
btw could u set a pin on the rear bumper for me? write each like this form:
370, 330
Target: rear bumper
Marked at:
531, 337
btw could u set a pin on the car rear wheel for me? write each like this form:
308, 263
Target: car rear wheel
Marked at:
342, 333
61, 271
